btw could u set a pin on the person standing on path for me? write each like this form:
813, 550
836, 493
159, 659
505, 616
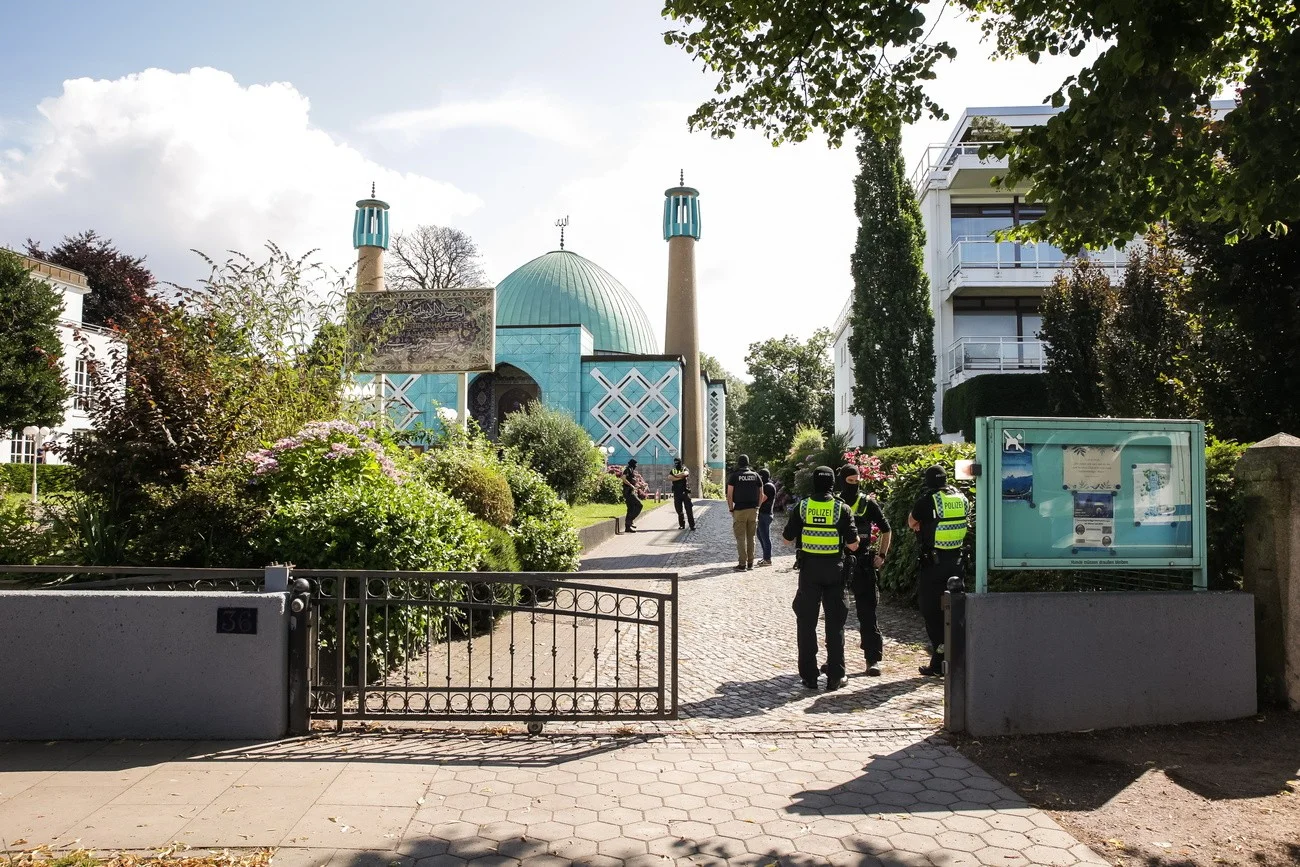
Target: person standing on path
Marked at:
939, 517
765, 517
631, 496
744, 496
680, 476
824, 529
863, 569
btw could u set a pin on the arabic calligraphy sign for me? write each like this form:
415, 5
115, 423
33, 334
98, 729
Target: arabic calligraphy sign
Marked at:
423, 330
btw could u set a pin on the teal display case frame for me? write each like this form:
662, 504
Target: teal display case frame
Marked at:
1067, 494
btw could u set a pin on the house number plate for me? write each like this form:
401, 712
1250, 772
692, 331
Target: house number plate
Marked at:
236, 621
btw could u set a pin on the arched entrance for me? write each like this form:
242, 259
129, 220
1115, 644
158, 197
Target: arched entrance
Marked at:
494, 396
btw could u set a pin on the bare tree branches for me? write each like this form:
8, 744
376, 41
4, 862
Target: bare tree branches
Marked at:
435, 257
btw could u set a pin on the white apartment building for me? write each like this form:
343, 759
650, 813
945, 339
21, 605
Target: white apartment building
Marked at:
846, 422
14, 447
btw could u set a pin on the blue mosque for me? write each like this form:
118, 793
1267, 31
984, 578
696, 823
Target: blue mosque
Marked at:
570, 335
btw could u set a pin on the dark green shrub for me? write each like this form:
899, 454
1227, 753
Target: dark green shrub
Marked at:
1225, 514
474, 480
24, 540
50, 478
557, 447
499, 555
212, 519
543, 529
901, 492
995, 394
897, 456
609, 489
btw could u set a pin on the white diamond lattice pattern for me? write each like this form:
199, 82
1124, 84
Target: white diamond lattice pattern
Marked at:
399, 406
715, 438
634, 411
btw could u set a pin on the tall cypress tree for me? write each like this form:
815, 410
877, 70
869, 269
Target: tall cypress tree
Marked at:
892, 343
32, 386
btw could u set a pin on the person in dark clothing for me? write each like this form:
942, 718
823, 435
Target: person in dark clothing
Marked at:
824, 528
680, 476
744, 496
631, 496
864, 567
939, 517
765, 517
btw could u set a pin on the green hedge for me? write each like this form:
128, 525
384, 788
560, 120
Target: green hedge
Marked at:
50, 478
901, 491
994, 394
1225, 515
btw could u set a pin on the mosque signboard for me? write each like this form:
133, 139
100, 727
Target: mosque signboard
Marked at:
423, 330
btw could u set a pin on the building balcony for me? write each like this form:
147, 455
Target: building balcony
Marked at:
984, 262
970, 356
955, 166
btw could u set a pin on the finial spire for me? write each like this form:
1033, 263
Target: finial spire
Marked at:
562, 222
372, 189
681, 178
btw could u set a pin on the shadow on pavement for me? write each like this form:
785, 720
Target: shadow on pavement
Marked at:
738, 699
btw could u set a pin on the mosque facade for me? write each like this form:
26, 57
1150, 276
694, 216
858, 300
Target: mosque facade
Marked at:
570, 335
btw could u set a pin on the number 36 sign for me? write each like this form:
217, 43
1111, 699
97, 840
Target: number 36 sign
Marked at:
236, 621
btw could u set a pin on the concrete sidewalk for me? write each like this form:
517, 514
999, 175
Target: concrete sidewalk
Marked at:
758, 770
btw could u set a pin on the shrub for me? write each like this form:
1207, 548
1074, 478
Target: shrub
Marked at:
474, 479
50, 478
325, 453
212, 519
712, 490
545, 537
902, 490
609, 488
897, 456
557, 447
994, 394
499, 554
1225, 515
24, 541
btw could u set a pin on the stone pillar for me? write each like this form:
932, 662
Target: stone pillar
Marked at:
1269, 473
681, 330
370, 269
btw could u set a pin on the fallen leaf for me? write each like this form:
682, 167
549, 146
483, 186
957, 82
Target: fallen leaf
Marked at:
20, 841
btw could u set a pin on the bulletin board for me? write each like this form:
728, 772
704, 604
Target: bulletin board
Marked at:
1090, 494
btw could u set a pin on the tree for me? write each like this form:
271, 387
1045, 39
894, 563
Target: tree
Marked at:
118, 282
1148, 342
1138, 140
792, 384
737, 394
557, 447
435, 257
33, 389
1075, 310
1247, 299
892, 339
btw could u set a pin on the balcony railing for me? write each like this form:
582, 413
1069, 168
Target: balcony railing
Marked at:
985, 253
940, 160
972, 355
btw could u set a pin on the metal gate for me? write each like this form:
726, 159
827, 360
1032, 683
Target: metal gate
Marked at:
530, 647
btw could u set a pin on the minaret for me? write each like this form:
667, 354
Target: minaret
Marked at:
370, 237
681, 331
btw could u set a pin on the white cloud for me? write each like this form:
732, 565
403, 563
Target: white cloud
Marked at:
533, 113
163, 162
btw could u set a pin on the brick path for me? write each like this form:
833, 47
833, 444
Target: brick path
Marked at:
757, 771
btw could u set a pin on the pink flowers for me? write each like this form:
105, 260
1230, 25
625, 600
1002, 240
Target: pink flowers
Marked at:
326, 450
869, 468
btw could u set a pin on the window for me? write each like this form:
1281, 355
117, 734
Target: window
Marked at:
81, 386
22, 450
973, 226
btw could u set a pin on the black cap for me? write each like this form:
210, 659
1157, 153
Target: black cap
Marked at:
935, 477
823, 479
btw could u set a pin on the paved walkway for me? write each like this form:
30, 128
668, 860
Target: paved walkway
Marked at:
758, 771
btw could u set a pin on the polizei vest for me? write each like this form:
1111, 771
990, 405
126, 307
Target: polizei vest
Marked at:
821, 533
950, 532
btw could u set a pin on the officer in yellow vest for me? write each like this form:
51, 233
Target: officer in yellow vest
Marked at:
824, 528
939, 517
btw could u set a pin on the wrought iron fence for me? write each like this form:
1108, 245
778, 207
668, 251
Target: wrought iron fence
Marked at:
131, 578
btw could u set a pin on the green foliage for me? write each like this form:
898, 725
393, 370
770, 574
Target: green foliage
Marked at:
897, 456
24, 541
499, 554
1074, 314
543, 529
994, 394
32, 387
901, 492
118, 282
892, 338
988, 129
609, 489
471, 475
1246, 297
825, 452
792, 385
1147, 346
557, 447
806, 443
50, 478
712, 490
1225, 514
1136, 140
211, 519
88, 530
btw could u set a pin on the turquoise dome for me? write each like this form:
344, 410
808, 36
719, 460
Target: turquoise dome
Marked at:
562, 288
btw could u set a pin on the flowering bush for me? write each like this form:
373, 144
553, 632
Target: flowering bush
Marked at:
609, 489
639, 483
871, 473
324, 453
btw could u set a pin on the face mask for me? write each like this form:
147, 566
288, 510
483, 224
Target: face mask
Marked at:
850, 492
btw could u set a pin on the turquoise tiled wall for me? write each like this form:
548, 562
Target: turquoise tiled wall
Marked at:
633, 406
552, 356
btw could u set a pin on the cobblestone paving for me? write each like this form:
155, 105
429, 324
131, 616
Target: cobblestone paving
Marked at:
757, 771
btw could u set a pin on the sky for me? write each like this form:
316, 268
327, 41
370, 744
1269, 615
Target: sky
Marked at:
174, 127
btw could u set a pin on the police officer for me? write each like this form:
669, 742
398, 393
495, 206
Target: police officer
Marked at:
823, 527
939, 517
863, 568
631, 496
680, 478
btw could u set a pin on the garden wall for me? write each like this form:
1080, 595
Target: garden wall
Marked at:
1053, 662
133, 664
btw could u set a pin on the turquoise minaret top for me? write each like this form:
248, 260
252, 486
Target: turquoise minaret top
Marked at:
682, 211
370, 225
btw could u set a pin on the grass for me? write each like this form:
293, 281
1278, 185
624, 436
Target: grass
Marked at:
593, 513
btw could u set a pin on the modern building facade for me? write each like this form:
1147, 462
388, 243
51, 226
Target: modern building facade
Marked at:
76, 363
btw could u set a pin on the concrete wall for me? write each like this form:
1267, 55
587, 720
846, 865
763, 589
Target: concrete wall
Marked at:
1051, 662
131, 664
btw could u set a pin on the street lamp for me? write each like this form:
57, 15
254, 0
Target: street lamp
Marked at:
38, 435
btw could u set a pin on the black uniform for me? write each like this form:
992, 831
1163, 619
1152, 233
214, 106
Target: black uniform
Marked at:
863, 583
682, 496
936, 567
821, 589
630, 497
